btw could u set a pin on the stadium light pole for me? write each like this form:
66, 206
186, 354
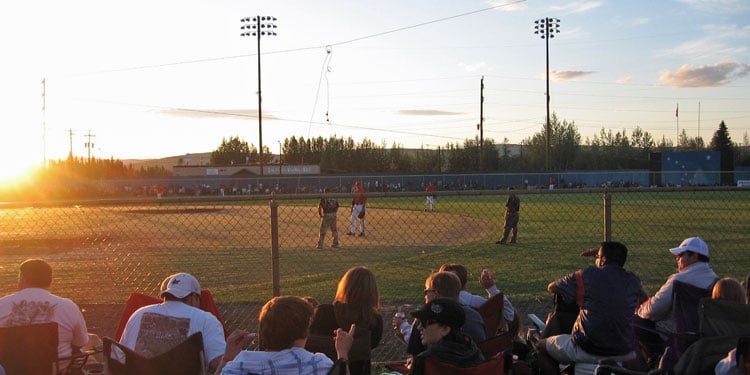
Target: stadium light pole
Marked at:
280, 162
546, 28
257, 26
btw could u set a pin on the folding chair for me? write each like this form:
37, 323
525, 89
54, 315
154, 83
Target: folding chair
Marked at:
30, 349
359, 351
685, 302
492, 314
722, 324
186, 358
496, 344
743, 355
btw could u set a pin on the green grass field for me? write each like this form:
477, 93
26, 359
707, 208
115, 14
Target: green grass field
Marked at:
226, 244
101, 253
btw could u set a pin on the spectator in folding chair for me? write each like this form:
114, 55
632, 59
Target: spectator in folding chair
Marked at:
728, 289
284, 329
156, 329
440, 331
731, 364
654, 321
357, 302
446, 285
34, 304
487, 282
607, 295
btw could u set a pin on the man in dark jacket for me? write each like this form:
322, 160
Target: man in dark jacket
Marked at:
446, 285
607, 295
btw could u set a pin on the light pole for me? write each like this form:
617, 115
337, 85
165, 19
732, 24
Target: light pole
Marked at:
257, 26
280, 163
547, 28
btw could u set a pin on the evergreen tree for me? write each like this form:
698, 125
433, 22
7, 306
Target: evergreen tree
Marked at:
723, 143
232, 151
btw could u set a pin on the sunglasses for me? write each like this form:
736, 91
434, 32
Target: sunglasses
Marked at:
428, 322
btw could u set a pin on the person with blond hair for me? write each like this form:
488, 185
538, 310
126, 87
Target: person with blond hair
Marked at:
728, 289
357, 302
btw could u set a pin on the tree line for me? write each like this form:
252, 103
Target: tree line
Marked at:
605, 150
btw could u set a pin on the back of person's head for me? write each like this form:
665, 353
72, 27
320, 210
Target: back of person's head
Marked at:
35, 273
358, 288
446, 283
459, 270
325, 190
179, 286
728, 289
615, 252
284, 320
311, 300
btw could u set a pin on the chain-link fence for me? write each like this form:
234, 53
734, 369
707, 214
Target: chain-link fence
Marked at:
101, 251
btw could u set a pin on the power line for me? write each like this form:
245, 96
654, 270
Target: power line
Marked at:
370, 36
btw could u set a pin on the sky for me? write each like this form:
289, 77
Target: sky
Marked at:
150, 79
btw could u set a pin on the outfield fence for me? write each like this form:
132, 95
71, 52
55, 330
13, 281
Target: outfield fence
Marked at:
246, 249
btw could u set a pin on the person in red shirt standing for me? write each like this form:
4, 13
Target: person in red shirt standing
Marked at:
358, 210
430, 202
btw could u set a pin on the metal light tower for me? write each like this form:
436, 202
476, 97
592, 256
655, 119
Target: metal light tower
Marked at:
257, 26
546, 28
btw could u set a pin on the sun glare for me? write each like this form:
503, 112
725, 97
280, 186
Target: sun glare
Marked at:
12, 173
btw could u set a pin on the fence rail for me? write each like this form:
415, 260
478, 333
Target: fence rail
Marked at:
103, 250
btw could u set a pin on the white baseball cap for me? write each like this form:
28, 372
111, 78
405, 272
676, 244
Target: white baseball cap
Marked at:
694, 244
180, 285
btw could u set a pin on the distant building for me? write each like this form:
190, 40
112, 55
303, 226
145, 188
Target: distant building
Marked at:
243, 170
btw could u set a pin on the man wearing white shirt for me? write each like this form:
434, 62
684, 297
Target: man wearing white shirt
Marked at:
487, 281
694, 269
156, 329
34, 304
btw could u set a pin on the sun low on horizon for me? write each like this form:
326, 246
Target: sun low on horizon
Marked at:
15, 170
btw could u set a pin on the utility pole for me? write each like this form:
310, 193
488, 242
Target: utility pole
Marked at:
547, 28
70, 137
44, 122
89, 145
481, 124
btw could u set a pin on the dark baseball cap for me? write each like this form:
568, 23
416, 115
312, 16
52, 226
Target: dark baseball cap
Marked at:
442, 310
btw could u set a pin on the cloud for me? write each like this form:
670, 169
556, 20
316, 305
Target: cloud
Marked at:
627, 79
577, 7
427, 112
716, 75
717, 6
568, 75
214, 113
706, 48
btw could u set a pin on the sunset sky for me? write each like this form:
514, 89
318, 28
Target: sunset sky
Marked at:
150, 79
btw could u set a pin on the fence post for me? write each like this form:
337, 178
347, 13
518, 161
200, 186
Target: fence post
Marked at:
607, 216
275, 245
